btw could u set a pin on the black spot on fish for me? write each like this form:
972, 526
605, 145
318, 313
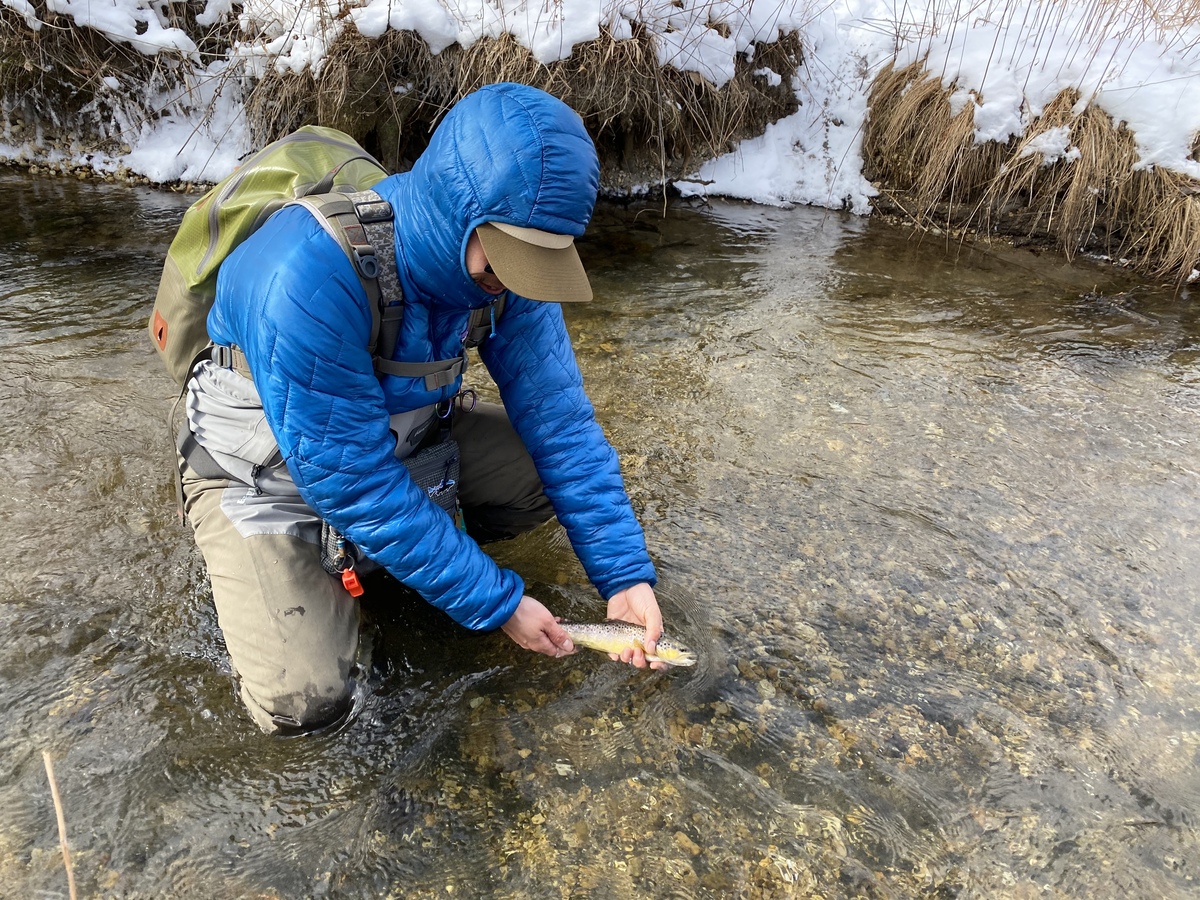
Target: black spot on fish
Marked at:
294, 611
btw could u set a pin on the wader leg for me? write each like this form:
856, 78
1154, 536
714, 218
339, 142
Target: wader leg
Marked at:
290, 628
499, 488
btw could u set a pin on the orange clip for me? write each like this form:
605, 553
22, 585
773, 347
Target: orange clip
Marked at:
351, 582
159, 330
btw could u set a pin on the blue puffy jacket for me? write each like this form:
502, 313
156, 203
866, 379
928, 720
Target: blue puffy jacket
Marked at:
289, 298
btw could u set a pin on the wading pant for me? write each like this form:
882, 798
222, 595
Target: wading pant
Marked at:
291, 629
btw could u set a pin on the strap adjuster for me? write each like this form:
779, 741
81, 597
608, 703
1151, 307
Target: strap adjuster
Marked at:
222, 356
370, 207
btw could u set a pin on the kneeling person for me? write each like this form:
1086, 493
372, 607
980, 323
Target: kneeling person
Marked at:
299, 429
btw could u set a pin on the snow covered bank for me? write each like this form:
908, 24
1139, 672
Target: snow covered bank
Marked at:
1006, 60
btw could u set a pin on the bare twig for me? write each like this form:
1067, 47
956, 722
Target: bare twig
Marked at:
62, 822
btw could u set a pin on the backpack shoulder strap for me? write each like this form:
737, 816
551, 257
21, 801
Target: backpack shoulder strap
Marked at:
389, 308
343, 217
363, 225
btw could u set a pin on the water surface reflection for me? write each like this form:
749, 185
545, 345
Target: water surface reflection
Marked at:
925, 512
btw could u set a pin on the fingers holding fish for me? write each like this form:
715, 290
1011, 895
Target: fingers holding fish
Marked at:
637, 604
535, 628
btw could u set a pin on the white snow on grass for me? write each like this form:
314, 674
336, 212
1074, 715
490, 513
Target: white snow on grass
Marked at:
1008, 57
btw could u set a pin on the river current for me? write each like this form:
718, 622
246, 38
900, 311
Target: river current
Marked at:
926, 512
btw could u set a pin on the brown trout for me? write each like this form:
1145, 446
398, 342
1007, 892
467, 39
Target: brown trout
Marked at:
614, 636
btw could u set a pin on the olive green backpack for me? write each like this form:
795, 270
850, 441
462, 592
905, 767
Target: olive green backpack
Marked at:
321, 165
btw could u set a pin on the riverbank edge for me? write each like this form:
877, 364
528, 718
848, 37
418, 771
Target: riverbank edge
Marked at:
1097, 199
919, 153
896, 205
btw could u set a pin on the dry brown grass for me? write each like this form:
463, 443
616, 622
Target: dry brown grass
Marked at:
1098, 202
650, 123
919, 147
54, 78
60, 67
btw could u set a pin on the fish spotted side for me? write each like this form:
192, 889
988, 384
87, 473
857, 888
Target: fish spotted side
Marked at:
614, 636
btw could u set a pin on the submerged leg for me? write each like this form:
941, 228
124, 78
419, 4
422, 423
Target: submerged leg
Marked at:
291, 629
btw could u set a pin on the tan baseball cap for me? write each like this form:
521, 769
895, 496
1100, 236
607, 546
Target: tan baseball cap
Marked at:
536, 264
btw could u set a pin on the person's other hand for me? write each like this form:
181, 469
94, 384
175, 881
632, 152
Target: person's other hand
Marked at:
638, 604
534, 627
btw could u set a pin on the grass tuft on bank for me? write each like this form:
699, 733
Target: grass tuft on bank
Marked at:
1097, 198
651, 124
75, 85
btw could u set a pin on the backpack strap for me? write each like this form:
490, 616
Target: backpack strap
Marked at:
338, 214
483, 321
363, 225
389, 312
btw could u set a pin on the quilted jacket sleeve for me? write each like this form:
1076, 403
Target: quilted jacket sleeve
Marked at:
531, 359
290, 299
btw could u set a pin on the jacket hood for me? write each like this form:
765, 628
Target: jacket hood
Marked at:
505, 153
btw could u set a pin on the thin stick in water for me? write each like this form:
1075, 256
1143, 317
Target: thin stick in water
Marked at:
62, 822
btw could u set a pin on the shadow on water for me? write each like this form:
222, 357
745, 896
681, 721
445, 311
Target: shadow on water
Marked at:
926, 513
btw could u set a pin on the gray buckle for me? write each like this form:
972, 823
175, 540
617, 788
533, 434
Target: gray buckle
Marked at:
222, 356
370, 207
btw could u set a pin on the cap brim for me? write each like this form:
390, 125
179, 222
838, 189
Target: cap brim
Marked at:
550, 274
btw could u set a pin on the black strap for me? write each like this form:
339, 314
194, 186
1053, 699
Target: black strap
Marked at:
199, 460
325, 185
185, 441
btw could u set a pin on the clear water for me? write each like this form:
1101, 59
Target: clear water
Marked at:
926, 513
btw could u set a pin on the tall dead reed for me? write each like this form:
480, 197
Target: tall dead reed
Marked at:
1095, 199
649, 122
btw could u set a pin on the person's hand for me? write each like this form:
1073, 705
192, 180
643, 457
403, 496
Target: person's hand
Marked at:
638, 604
534, 627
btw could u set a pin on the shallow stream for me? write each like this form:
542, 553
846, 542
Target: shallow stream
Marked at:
928, 514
